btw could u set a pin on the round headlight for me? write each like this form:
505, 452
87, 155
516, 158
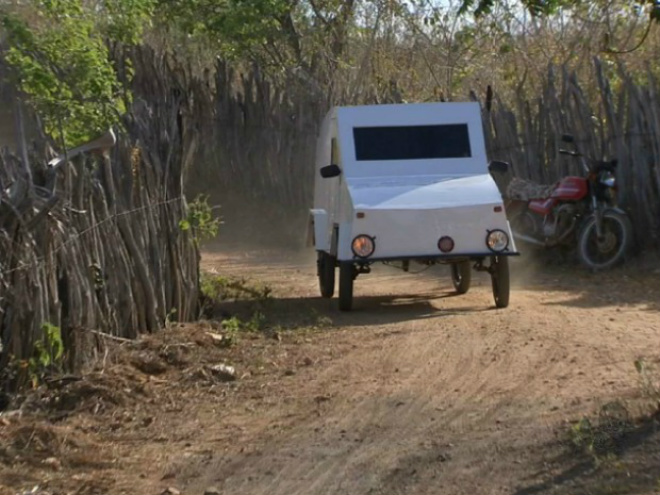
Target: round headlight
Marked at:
497, 240
446, 244
608, 181
363, 246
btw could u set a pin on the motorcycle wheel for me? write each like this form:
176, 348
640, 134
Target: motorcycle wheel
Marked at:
461, 276
499, 276
608, 250
523, 222
326, 272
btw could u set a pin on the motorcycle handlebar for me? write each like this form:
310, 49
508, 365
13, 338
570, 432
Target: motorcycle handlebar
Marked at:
589, 164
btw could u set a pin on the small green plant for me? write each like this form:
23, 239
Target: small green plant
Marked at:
200, 220
219, 288
48, 354
231, 327
170, 317
600, 439
323, 322
234, 326
650, 379
582, 435
256, 322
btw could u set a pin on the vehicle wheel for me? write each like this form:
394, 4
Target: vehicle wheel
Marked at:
500, 279
346, 278
326, 272
461, 275
611, 248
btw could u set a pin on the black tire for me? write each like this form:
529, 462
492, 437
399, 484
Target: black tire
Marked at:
326, 273
461, 276
611, 249
500, 280
346, 278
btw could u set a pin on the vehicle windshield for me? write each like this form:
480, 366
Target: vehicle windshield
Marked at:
420, 142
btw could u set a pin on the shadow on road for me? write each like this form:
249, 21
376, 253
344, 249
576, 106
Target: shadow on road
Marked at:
630, 466
632, 284
367, 310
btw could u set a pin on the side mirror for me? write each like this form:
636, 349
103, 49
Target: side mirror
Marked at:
567, 138
330, 171
498, 167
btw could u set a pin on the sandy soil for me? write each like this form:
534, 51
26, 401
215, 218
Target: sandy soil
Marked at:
415, 391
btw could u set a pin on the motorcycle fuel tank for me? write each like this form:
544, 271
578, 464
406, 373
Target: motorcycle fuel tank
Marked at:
571, 189
568, 189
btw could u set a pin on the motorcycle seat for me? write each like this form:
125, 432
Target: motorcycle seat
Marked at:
526, 190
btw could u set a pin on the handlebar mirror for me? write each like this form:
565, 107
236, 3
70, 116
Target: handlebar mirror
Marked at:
330, 171
567, 138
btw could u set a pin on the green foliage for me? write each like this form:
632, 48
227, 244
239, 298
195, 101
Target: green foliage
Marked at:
123, 21
200, 219
232, 327
599, 438
582, 435
48, 354
650, 379
218, 288
60, 60
548, 7
544, 7
236, 26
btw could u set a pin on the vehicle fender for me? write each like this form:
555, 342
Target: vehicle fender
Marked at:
319, 230
613, 209
616, 209
309, 231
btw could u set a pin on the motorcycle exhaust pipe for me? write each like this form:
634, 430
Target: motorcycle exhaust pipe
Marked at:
528, 239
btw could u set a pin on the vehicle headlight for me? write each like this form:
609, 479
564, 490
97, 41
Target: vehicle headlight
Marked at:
608, 181
363, 246
497, 240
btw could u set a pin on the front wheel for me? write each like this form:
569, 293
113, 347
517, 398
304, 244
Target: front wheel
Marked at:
346, 278
326, 273
599, 253
461, 276
499, 276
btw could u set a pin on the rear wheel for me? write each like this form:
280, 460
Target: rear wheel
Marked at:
499, 275
326, 272
461, 276
599, 253
346, 278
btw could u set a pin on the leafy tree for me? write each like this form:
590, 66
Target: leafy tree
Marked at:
546, 7
60, 60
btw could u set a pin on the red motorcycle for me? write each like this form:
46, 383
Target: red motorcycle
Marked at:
578, 211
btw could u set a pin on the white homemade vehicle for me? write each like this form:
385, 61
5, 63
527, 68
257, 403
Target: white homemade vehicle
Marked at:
402, 183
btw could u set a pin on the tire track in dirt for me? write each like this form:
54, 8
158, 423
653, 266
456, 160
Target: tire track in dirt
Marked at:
447, 397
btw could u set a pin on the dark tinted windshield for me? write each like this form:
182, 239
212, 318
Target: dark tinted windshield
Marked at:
412, 142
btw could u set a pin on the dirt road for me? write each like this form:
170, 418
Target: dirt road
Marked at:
417, 391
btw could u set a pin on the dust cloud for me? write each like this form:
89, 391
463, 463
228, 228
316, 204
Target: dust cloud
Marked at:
262, 229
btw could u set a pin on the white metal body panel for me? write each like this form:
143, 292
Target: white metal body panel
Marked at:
424, 192
407, 204
401, 233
